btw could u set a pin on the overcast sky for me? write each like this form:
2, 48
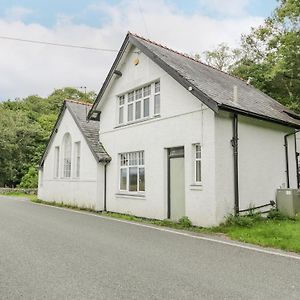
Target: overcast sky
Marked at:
189, 26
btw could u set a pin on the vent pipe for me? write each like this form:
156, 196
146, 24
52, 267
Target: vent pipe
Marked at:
235, 94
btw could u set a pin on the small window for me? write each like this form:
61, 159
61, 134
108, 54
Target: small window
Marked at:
157, 98
121, 109
67, 155
132, 172
197, 163
77, 159
56, 162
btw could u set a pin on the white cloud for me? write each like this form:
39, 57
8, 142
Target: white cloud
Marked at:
39, 69
17, 13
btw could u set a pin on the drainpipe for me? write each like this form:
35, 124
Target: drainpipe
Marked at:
297, 165
234, 143
104, 202
287, 159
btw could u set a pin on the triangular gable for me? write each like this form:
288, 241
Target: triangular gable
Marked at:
211, 86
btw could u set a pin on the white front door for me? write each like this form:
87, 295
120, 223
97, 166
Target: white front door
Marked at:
176, 203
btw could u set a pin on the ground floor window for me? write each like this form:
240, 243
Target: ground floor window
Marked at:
132, 172
197, 162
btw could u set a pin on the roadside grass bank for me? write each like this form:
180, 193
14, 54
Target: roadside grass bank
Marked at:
275, 230
32, 197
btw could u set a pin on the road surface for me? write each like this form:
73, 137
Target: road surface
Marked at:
51, 253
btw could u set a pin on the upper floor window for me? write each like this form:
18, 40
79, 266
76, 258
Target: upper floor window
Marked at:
67, 145
197, 163
77, 159
132, 172
136, 105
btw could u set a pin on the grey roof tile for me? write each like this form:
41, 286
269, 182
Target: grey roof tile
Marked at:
218, 85
90, 129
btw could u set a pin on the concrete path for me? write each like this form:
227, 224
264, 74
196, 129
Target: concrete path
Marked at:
51, 253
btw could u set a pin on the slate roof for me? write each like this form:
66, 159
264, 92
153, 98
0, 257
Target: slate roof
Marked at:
89, 129
213, 87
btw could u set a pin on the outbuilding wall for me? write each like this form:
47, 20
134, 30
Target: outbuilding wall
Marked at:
83, 191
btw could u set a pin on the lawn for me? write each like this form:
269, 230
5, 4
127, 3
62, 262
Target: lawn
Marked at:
277, 231
282, 234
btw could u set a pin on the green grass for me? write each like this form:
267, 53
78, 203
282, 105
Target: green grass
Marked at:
277, 231
20, 194
281, 234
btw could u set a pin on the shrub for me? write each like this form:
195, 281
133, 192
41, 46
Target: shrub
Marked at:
185, 222
275, 214
243, 221
30, 179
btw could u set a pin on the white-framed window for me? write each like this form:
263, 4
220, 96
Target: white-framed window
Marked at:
67, 146
77, 151
121, 109
156, 98
197, 163
132, 172
135, 105
56, 162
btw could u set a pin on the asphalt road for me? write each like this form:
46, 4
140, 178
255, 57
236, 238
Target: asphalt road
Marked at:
49, 253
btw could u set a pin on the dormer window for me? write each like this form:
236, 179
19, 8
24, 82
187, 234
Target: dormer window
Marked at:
139, 104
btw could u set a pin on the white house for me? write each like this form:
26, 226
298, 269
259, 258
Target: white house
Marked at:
185, 139
70, 169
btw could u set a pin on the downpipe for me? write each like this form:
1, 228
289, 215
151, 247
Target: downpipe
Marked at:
234, 143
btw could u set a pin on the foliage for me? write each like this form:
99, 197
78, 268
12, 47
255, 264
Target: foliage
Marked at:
185, 222
269, 56
30, 179
25, 127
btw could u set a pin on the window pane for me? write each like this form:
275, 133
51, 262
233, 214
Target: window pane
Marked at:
123, 179
141, 179
138, 106
121, 114
198, 171
156, 104
130, 112
121, 100
130, 97
133, 179
147, 90
138, 94
157, 87
146, 107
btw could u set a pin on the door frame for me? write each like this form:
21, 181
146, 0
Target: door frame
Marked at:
170, 156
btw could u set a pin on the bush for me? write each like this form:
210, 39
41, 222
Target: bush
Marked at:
275, 214
30, 179
243, 221
185, 222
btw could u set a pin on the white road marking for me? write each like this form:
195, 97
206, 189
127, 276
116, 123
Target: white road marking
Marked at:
252, 248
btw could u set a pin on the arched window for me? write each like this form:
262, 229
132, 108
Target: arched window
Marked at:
67, 146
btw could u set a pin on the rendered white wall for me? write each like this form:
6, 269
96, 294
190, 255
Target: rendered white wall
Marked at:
183, 122
261, 162
84, 191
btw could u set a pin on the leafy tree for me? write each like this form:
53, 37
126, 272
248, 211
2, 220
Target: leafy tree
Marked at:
271, 55
25, 127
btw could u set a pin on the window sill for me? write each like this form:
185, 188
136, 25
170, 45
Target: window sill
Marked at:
196, 186
137, 121
130, 195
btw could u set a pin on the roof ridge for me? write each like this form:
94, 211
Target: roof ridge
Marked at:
185, 55
79, 102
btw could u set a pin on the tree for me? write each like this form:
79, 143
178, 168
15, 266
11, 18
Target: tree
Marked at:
271, 55
222, 58
25, 127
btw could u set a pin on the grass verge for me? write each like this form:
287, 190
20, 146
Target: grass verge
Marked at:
20, 194
275, 231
